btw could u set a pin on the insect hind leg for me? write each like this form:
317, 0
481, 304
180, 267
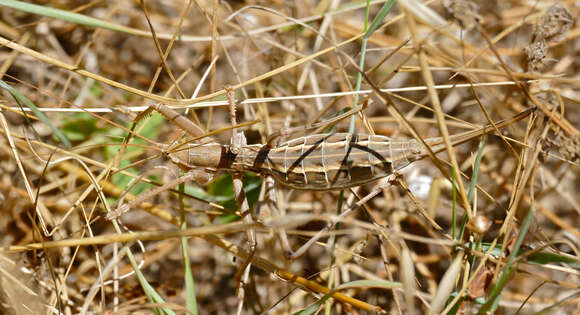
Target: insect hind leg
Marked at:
302, 250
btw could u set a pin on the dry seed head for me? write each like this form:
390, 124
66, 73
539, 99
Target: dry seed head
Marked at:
554, 24
479, 224
464, 12
570, 149
536, 53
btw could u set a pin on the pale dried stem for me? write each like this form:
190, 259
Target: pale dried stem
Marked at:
568, 128
300, 251
157, 98
41, 210
434, 98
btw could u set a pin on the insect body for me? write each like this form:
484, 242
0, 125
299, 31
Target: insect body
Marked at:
315, 162
323, 161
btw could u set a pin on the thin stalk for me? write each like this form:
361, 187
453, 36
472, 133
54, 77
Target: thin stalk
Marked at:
473, 182
510, 268
454, 209
368, 32
191, 300
328, 306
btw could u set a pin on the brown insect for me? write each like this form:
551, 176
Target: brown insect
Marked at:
320, 162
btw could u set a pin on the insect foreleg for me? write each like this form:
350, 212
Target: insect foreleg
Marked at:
199, 175
238, 140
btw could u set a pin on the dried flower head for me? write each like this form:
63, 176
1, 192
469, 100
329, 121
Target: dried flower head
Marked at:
570, 149
536, 53
464, 12
554, 24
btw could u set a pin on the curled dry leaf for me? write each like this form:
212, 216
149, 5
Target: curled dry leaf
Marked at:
481, 282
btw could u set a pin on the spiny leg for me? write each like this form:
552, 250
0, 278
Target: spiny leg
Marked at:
238, 140
176, 118
198, 175
270, 184
271, 200
300, 251
244, 209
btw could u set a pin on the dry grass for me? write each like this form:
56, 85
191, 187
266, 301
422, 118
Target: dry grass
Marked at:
505, 238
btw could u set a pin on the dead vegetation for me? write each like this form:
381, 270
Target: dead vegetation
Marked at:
489, 225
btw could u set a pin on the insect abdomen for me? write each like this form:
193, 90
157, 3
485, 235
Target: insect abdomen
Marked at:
335, 161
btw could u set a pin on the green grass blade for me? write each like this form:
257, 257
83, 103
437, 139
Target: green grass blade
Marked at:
510, 268
191, 299
23, 100
379, 18
64, 15
368, 32
473, 182
152, 295
543, 258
